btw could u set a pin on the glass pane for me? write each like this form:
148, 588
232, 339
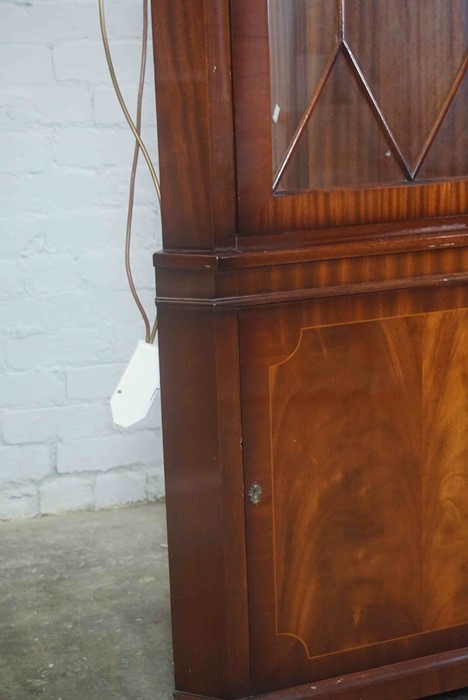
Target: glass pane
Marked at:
410, 62
449, 153
342, 144
365, 92
303, 36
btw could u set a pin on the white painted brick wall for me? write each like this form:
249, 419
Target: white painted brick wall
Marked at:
67, 322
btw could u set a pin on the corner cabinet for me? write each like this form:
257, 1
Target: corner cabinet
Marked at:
313, 306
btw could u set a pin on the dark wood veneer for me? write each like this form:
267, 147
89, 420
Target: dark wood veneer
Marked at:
407, 680
313, 341
194, 101
205, 500
342, 401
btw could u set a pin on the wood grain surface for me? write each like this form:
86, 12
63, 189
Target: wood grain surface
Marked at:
313, 339
357, 432
195, 126
369, 419
205, 501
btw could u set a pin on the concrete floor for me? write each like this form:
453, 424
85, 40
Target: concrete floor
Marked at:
84, 607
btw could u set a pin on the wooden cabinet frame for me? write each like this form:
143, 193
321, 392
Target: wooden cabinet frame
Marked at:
234, 252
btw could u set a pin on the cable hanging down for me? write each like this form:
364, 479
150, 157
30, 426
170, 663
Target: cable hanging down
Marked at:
150, 333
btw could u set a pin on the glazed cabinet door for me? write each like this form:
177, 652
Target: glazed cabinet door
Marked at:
356, 462
349, 111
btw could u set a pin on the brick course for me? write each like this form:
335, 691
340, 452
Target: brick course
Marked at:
67, 322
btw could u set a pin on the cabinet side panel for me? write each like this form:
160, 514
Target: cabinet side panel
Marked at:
205, 505
195, 122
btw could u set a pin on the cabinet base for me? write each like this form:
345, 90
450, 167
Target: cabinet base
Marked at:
408, 680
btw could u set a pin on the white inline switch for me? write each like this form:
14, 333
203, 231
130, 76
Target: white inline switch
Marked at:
138, 387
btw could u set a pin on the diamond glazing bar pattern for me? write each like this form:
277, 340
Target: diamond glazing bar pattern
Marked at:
349, 44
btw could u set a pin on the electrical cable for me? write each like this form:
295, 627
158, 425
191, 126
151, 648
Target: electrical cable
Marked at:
131, 196
154, 330
139, 145
115, 83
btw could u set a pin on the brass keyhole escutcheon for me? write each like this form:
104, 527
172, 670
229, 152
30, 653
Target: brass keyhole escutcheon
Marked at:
255, 493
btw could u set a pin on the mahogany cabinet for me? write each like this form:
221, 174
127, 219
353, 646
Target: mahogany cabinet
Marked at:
313, 308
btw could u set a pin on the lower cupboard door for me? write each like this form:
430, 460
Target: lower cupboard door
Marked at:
356, 466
